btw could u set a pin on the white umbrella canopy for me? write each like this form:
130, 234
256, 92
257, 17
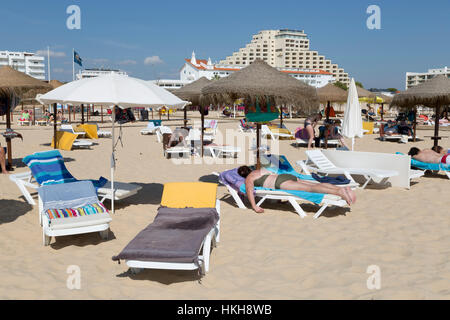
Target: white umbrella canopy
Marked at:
112, 90
352, 126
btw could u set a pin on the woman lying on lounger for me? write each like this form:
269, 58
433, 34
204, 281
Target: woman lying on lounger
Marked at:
267, 179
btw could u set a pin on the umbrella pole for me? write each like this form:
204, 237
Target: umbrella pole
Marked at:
34, 115
353, 144
55, 126
382, 111
203, 126
8, 140
281, 117
101, 113
113, 160
436, 126
415, 124
327, 113
82, 114
258, 143
185, 116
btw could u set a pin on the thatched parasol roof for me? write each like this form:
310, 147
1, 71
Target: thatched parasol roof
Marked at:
331, 93
21, 84
431, 93
192, 91
55, 83
363, 93
261, 80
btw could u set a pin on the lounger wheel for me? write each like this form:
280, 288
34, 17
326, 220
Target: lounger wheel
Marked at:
104, 234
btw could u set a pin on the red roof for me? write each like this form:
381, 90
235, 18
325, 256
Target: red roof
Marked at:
201, 67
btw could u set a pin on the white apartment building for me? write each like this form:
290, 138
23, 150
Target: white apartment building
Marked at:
170, 84
92, 73
26, 62
285, 49
194, 69
415, 78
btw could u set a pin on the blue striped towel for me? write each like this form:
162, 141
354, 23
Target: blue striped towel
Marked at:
48, 168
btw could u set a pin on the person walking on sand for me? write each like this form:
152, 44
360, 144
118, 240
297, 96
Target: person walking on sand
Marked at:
3, 160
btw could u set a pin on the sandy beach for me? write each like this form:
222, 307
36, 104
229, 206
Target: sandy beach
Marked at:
274, 255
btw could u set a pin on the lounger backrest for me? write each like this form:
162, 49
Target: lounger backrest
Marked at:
265, 129
48, 168
319, 159
151, 125
67, 128
189, 195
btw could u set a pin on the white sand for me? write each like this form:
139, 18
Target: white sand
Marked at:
274, 255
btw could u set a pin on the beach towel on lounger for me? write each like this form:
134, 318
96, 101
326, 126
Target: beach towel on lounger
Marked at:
48, 168
234, 180
428, 166
176, 235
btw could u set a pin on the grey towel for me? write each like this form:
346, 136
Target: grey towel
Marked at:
176, 235
68, 195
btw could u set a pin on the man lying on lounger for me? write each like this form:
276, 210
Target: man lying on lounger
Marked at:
266, 179
429, 156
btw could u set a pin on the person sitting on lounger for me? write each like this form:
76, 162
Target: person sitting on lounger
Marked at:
428, 156
267, 179
390, 128
332, 132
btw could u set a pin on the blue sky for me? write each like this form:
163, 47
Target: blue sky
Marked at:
414, 34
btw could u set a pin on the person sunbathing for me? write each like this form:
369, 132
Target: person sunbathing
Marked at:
429, 156
440, 150
267, 179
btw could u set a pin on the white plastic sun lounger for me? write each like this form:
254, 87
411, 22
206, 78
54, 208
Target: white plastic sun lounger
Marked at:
69, 128
221, 151
151, 128
331, 142
75, 225
211, 240
122, 190
265, 131
322, 164
328, 200
102, 133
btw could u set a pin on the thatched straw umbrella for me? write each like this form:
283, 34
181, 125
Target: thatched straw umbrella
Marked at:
258, 82
363, 93
14, 85
331, 93
433, 93
192, 92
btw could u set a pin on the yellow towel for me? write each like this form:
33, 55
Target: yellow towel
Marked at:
64, 140
275, 129
368, 126
189, 195
90, 129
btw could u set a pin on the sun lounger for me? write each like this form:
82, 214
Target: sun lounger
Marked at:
67, 141
151, 128
245, 127
48, 168
222, 151
69, 128
317, 161
274, 134
71, 208
103, 133
180, 237
436, 167
235, 185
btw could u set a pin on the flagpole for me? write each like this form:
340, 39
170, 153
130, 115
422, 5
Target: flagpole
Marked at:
48, 58
73, 64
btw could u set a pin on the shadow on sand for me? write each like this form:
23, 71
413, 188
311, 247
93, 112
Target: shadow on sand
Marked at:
11, 210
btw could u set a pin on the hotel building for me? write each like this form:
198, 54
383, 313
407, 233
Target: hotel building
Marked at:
92, 73
194, 69
26, 62
285, 49
415, 78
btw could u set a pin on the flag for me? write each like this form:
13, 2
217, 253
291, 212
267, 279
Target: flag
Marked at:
77, 59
